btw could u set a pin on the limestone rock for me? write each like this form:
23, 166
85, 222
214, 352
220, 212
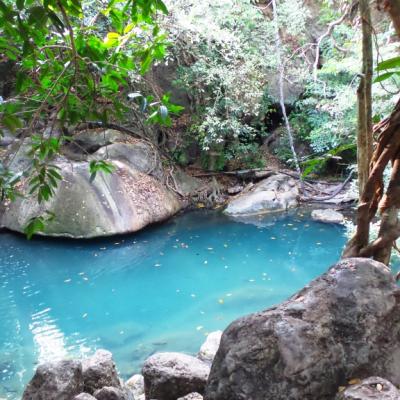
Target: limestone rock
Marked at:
55, 381
99, 371
91, 140
192, 396
136, 385
235, 189
168, 376
84, 396
276, 193
209, 348
344, 324
125, 201
373, 388
7, 138
139, 155
328, 216
113, 393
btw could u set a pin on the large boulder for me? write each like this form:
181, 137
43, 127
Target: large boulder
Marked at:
277, 193
139, 155
168, 376
343, 325
328, 216
373, 388
209, 348
99, 371
127, 200
55, 381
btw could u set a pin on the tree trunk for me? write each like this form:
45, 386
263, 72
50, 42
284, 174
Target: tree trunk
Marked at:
364, 137
281, 69
372, 197
392, 7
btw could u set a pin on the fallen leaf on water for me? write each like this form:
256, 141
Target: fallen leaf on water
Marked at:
221, 301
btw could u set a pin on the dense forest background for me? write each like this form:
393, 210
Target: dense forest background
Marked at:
214, 64
215, 86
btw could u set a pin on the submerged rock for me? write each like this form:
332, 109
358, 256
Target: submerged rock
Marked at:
209, 348
328, 216
276, 193
373, 388
132, 197
344, 324
55, 381
168, 376
99, 371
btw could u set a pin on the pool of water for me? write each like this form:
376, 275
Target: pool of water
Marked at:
162, 289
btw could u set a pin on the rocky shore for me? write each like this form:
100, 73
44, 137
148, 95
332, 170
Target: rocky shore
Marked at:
338, 338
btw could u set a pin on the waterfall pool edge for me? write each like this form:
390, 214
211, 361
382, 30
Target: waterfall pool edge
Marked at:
162, 289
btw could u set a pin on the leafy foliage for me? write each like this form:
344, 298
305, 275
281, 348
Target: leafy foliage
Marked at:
74, 64
226, 53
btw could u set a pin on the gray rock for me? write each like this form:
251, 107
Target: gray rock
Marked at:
112, 393
55, 381
209, 348
84, 396
235, 189
122, 202
99, 371
186, 184
276, 193
136, 385
328, 216
344, 324
7, 138
373, 388
138, 155
92, 139
168, 376
192, 396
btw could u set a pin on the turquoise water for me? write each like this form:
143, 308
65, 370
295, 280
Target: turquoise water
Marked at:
162, 289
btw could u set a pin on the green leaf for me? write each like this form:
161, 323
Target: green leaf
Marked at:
386, 75
11, 122
20, 4
34, 226
389, 64
161, 6
37, 16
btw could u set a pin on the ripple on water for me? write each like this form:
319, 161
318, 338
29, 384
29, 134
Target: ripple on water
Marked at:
162, 289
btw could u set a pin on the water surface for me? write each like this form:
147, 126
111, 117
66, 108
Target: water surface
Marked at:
162, 289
